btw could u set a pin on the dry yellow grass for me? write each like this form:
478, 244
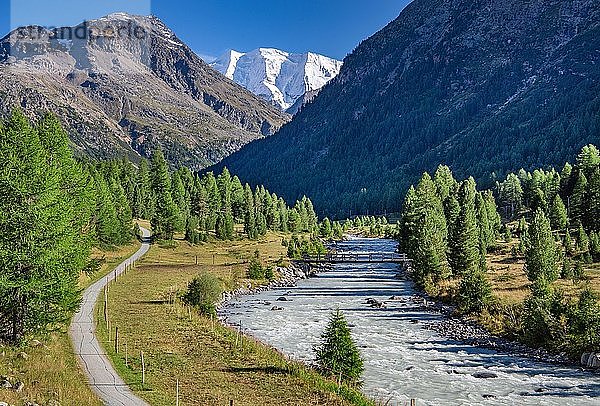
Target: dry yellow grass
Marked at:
213, 365
510, 283
51, 371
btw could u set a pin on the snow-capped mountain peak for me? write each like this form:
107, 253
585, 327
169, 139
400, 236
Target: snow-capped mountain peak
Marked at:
279, 77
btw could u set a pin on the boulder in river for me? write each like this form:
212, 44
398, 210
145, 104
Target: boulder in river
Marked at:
590, 360
276, 309
283, 299
485, 375
376, 304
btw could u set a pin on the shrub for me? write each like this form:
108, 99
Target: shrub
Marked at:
256, 270
203, 292
269, 274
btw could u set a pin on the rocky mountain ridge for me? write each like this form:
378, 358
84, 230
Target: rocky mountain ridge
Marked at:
125, 85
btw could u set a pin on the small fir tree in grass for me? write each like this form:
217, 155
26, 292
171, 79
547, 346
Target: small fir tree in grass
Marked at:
338, 355
567, 269
568, 242
522, 227
578, 272
583, 242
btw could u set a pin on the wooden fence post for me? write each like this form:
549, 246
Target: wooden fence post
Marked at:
106, 306
177, 394
116, 340
126, 359
143, 368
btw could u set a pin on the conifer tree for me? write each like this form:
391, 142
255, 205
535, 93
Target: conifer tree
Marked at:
213, 199
451, 211
487, 234
326, 229
588, 160
430, 246
568, 242
578, 199
237, 200
464, 243
558, 214
541, 250
409, 222
123, 213
282, 209
511, 193
338, 231
566, 180
107, 227
338, 355
583, 241
166, 219
592, 203
179, 193
144, 205
444, 182
224, 186
191, 230
495, 221
249, 215
474, 292
200, 205
312, 219
44, 240
538, 200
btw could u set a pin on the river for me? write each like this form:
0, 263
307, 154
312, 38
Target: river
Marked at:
403, 359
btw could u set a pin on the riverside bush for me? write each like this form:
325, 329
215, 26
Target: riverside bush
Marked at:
203, 292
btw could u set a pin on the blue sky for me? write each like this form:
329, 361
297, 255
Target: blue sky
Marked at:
210, 27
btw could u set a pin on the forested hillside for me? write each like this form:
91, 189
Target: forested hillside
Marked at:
485, 87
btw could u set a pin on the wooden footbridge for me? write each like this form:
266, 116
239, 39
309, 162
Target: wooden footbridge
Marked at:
355, 258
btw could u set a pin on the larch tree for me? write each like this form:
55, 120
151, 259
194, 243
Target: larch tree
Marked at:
44, 237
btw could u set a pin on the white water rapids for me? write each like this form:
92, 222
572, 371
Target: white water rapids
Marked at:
403, 360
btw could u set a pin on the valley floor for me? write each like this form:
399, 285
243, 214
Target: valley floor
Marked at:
213, 364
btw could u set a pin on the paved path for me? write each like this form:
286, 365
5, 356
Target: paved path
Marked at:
102, 377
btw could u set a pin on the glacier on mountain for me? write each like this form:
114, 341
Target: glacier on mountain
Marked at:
279, 77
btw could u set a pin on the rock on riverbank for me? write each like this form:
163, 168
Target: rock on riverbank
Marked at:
287, 277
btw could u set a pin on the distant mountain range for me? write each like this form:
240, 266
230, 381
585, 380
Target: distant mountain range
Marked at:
284, 79
125, 85
483, 86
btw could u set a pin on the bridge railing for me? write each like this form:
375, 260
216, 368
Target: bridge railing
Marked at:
358, 257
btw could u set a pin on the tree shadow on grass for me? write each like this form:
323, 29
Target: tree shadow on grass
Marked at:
270, 370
